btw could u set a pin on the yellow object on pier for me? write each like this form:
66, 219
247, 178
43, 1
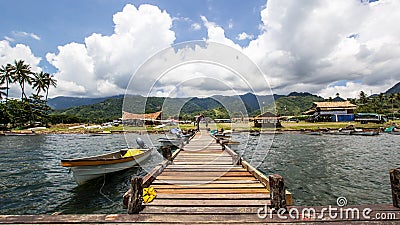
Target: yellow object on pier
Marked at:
149, 194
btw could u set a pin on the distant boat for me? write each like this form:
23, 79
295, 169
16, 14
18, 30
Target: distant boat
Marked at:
392, 130
170, 142
364, 132
234, 145
85, 169
254, 133
101, 133
18, 134
314, 133
175, 141
339, 132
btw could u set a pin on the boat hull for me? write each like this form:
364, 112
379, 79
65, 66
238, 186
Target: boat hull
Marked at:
170, 142
82, 174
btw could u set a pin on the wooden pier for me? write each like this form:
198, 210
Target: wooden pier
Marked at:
206, 182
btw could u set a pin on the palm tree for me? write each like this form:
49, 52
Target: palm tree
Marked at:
6, 77
42, 82
22, 74
50, 81
363, 97
2, 93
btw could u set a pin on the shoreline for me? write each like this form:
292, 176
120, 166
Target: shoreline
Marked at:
113, 132
287, 127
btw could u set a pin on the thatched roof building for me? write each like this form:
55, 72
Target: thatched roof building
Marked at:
267, 119
140, 119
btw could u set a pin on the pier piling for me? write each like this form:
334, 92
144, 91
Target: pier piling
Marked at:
277, 191
136, 196
395, 185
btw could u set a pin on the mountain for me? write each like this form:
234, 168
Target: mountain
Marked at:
68, 102
394, 89
293, 104
214, 106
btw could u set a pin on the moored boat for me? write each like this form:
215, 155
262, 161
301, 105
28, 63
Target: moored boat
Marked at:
234, 145
85, 169
254, 133
364, 132
339, 132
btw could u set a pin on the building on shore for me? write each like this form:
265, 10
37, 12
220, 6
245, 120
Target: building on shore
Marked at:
336, 111
131, 119
267, 120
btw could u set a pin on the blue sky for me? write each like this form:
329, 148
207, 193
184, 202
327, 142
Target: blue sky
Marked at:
93, 47
63, 21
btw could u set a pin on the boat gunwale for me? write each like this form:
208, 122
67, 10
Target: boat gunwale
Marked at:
98, 161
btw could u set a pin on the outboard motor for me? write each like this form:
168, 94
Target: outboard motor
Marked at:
141, 143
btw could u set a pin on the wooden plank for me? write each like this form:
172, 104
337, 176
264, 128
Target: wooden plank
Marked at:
214, 196
207, 185
163, 177
204, 170
192, 182
200, 210
209, 202
172, 166
202, 163
214, 191
260, 176
207, 174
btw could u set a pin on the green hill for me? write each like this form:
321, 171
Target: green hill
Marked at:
187, 108
293, 104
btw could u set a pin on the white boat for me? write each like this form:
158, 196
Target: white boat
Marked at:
85, 169
364, 132
165, 142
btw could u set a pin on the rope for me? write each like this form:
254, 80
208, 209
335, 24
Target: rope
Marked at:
101, 192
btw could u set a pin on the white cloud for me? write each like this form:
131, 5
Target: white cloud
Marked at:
217, 33
26, 34
196, 26
230, 24
9, 39
243, 36
303, 46
105, 64
8, 54
307, 44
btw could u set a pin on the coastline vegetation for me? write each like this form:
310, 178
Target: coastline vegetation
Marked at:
27, 111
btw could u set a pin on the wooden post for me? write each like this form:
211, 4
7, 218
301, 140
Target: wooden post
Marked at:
277, 191
395, 185
236, 160
136, 196
166, 152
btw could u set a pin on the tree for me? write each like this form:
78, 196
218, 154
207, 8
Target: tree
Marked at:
381, 97
363, 97
2, 93
392, 98
42, 82
6, 77
22, 74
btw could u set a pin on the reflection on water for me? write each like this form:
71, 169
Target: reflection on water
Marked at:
317, 169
